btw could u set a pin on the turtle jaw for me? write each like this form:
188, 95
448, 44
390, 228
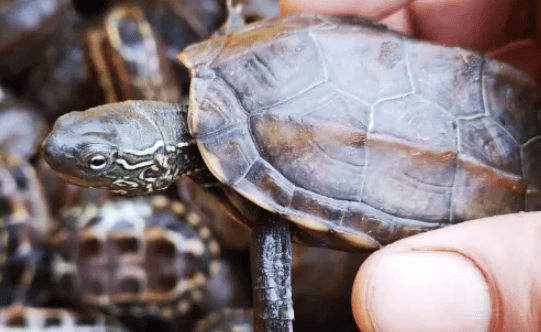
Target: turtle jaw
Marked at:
58, 154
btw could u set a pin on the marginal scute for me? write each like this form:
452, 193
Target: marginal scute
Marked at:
409, 182
511, 100
217, 109
415, 121
447, 76
482, 139
229, 155
383, 227
202, 53
265, 186
368, 63
482, 192
329, 211
284, 66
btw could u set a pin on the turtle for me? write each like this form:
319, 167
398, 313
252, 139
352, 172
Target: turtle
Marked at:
26, 27
128, 58
134, 257
46, 319
335, 130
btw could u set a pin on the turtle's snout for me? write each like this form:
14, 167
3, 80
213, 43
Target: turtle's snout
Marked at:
55, 150
49, 147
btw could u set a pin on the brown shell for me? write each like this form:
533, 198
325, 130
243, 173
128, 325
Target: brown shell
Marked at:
359, 134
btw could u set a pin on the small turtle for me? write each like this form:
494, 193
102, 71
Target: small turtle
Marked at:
134, 256
349, 134
22, 127
31, 319
26, 27
227, 320
128, 59
183, 22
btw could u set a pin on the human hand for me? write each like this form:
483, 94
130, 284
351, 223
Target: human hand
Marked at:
481, 275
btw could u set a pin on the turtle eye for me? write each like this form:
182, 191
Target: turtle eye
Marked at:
97, 162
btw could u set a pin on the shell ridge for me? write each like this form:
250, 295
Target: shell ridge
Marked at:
337, 89
259, 111
442, 109
485, 103
320, 55
369, 130
400, 96
243, 175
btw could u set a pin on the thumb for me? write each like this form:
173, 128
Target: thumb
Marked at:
482, 275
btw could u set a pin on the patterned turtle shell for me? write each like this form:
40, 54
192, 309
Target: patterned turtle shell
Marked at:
361, 135
140, 256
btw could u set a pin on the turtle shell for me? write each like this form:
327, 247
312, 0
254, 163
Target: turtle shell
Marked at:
361, 135
134, 256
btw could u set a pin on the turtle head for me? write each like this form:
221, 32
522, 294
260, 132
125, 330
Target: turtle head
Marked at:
123, 146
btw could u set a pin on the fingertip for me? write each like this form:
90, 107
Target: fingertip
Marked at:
377, 9
421, 291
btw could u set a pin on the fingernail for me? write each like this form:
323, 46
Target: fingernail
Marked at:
427, 291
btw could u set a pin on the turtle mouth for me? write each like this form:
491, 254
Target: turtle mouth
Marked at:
76, 180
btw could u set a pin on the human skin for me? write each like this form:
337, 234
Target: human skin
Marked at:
481, 275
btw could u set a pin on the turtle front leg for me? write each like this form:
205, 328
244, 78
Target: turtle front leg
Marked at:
271, 274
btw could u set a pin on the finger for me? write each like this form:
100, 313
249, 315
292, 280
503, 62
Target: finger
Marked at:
523, 54
483, 275
376, 9
477, 24
399, 21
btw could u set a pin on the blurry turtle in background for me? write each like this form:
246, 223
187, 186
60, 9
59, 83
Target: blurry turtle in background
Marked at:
139, 257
